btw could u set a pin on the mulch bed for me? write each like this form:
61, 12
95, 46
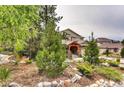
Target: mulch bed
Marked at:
27, 75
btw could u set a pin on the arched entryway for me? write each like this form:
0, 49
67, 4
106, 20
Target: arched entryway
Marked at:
74, 49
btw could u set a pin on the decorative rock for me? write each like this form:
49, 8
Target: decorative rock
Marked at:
4, 59
54, 83
117, 85
105, 64
94, 85
80, 74
61, 83
75, 69
47, 84
40, 84
122, 82
98, 82
75, 78
105, 84
67, 83
111, 83
101, 80
14, 84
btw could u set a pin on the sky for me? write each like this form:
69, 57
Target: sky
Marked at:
104, 21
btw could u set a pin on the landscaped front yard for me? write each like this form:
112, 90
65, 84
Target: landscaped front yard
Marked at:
25, 74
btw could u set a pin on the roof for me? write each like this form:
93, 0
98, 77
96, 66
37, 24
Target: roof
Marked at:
70, 42
111, 45
68, 29
101, 39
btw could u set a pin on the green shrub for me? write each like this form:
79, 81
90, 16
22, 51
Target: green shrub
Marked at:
102, 60
85, 68
118, 59
92, 52
109, 73
1, 49
114, 63
122, 52
4, 75
29, 61
50, 59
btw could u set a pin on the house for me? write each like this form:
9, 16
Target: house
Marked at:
109, 44
103, 40
73, 41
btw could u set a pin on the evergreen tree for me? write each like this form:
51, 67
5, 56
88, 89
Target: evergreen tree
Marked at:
122, 53
50, 59
47, 13
92, 51
122, 42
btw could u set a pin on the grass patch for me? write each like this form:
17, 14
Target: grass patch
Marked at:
109, 73
85, 68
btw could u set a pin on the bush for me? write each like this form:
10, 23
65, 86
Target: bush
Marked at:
109, 73
92, 52
118, 59
29, 61
50, 59
102, 60
122, 52
1, 49
4, 75
114, 63
85, 68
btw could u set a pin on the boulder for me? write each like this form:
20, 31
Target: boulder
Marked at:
101, 80
14, 84
39, 84
4, 59
54, 83
75, 78
47, 84
111, 83
94, 85
105, 84
61, 83
67, 83
75, 69
98, 82
79, 73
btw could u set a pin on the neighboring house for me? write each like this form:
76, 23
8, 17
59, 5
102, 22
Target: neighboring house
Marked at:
109, 44
73, 41
103, 40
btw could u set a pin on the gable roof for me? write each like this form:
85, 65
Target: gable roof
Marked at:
111, 45
101, 39
68, 29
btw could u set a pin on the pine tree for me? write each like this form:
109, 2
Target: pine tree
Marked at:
50, 59
47, 13
122, 53
92, 51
